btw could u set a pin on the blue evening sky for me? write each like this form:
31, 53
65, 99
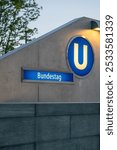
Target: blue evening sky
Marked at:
58, 12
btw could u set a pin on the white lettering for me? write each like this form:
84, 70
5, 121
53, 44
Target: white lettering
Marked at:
48, 76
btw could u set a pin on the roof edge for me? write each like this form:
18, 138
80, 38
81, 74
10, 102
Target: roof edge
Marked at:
42, 37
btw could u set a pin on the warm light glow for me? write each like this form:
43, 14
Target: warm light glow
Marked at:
76, 57
97, 29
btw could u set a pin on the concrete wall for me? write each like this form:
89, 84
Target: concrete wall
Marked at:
49, 53
49, 126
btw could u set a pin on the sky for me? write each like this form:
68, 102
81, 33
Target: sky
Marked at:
58, 12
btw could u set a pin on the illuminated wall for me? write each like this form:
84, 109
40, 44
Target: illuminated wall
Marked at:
49, 53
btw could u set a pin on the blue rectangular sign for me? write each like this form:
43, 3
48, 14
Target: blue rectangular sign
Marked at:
46, 76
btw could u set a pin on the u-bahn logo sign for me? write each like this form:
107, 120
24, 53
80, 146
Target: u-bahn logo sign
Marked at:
80, 56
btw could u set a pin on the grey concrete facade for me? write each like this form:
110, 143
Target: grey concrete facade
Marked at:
49, 126
49, 53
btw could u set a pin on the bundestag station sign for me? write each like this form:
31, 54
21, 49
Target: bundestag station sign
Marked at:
46, 76
80, 60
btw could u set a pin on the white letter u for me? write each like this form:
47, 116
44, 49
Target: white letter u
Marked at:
76, 57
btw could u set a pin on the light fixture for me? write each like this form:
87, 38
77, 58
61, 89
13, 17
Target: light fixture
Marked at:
95, 25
